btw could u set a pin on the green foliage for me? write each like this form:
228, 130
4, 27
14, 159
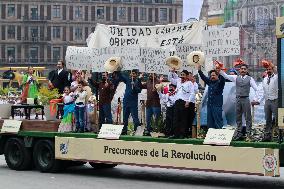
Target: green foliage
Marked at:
130, 129
45, 95
158, 124
7, 90
201, 133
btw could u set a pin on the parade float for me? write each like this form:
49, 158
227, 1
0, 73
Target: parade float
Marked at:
36, 143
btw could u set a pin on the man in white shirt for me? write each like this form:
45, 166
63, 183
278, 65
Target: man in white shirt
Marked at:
184, 97
243, 84
270, 88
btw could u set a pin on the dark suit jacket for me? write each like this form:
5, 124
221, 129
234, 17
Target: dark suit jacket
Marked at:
60, 80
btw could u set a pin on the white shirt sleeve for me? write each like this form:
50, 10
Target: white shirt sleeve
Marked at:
232, 78
163, 97
254, 86
173, 78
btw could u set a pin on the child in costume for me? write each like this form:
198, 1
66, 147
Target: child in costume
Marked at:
169, 98
69, 106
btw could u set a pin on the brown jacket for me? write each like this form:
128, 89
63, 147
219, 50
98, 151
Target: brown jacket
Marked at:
153, 99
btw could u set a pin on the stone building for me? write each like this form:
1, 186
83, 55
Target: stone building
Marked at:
256, 20
37, 32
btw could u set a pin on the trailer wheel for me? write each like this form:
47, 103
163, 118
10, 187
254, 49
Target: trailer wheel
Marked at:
44, 157
17, 156
102, 165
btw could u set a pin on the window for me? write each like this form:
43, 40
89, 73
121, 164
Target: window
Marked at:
142, 13
56, 32
56, 11
56, 53
78, 33
33, 55
11, 10
34, 34
11, 32
34, 12
163, 14
121, 13
11, 54
158, 1
78, 12
100, 12
147, 1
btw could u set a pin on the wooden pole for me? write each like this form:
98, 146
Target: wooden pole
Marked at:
132, 85
153, 82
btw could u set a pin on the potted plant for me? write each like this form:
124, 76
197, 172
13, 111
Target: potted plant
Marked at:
158, 125
45, 95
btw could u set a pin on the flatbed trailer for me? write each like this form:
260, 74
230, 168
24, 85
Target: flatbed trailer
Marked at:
38, 145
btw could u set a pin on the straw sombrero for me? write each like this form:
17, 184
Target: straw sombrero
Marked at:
159, 86
112, 64
196, 57
174, 62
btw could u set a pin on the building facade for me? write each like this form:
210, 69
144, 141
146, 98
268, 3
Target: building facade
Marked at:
256, 20
37, 32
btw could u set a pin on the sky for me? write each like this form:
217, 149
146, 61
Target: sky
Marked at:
191, 9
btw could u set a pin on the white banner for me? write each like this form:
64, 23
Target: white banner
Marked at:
221, 42
153, 60
160, 36
85, 58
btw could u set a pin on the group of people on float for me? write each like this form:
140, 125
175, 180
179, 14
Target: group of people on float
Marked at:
179, 97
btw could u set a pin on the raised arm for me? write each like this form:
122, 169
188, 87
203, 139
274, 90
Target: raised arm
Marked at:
203, 77
173, 77
232, 78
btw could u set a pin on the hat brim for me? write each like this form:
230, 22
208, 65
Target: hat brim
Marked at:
111, 68
200, 61
174, 58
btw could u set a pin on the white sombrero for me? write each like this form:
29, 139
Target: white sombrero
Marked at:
159, 86
196, 57
174, 62
112, 64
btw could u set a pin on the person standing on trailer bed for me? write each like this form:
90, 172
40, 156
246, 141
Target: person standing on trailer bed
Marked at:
270, 89
243, 106
184, 98
80, 100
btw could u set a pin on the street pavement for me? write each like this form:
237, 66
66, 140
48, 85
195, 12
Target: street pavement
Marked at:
130, 177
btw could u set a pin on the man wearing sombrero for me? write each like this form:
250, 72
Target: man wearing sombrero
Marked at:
184, 96
243, 105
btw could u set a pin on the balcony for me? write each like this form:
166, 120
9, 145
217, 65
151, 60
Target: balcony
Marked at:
34, 19
34, 39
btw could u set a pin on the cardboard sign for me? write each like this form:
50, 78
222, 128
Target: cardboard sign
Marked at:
109, 131
281, 118
219, 136
279, 27
11, 126
221, 42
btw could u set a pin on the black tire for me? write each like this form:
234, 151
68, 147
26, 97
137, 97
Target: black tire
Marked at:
44, 157
102, 165
17, 156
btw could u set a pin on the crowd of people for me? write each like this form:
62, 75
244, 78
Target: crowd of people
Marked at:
179, 97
